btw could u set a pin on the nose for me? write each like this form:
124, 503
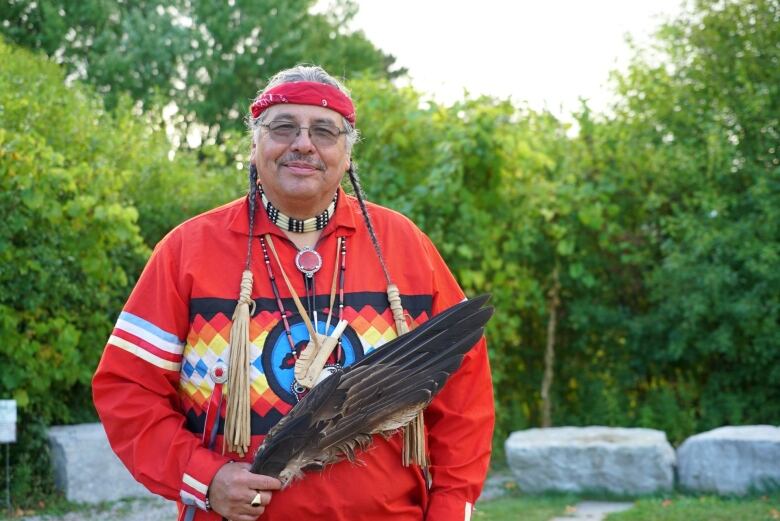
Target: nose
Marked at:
302, 141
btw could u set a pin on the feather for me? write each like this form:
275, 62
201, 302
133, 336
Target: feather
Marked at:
378, 395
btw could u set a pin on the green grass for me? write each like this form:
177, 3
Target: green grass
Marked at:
703, 508
525, 508
675, 507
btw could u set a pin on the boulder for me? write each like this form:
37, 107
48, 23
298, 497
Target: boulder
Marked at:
86, 470
731, 460
591, 459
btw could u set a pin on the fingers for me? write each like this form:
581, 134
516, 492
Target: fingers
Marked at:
239, 495
265, 498
254, 481
250, 509
258, 482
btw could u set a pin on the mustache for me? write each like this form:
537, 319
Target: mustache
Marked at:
301, 158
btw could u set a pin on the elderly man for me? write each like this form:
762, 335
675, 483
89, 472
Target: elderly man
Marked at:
190, 383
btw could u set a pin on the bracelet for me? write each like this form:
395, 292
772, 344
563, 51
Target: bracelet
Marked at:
208, 504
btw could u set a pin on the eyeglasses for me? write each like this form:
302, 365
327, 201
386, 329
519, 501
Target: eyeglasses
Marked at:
321, 135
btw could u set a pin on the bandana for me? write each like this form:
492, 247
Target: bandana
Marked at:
305, 93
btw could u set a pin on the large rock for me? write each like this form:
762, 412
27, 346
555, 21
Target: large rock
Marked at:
85, 467
731, 460
586, 459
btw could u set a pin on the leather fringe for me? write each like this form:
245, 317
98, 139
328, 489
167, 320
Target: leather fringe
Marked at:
238, 436
414, 451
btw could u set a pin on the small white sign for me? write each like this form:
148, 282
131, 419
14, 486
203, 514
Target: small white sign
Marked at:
7, 421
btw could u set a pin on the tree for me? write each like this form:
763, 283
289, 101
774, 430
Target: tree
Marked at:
72, 180
695, 135
207, 57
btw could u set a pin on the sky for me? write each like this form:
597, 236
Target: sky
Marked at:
547, 53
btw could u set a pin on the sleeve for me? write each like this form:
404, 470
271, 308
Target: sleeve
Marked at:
460, 419
135, 386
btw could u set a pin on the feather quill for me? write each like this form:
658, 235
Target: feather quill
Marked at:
378, 395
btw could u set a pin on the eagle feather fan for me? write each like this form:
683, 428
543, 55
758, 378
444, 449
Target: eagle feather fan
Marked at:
380, 394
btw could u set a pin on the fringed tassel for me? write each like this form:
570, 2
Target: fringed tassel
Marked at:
414, 451
237, 418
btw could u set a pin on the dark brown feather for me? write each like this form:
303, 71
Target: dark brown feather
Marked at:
378, 395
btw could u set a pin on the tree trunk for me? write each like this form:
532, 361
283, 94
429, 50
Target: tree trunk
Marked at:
553, 301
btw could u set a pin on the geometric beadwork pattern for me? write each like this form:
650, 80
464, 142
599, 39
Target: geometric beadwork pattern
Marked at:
207, 344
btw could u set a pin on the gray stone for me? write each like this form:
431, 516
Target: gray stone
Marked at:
589, 459
497, 485
86, 470
731, 460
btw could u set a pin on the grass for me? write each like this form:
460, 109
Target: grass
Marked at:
704, 508
527, 508
675, 507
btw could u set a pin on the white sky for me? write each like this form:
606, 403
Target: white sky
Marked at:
546, 52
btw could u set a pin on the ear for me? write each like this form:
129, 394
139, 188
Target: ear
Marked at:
253, 153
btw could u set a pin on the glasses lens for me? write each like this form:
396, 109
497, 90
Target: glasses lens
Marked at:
323, 135
283, 132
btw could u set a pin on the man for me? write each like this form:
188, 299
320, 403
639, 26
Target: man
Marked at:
311, 257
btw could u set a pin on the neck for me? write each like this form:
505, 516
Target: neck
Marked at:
304, 240
301, 209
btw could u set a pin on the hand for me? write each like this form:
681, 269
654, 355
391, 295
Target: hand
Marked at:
233, 488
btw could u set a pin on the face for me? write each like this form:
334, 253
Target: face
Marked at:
300, 178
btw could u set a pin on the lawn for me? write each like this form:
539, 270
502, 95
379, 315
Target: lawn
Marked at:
525, 508
705, 508
675, 507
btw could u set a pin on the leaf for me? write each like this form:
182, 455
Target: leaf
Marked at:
565, 247
22, 398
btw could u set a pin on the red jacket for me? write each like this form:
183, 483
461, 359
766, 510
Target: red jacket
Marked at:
152, 386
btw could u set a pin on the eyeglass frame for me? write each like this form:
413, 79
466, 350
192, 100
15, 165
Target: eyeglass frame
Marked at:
339, 132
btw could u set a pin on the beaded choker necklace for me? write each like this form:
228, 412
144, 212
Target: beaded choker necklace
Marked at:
291, 224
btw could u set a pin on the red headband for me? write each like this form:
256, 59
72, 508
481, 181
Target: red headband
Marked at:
305, 93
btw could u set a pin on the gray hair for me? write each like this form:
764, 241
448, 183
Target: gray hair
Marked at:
313, 73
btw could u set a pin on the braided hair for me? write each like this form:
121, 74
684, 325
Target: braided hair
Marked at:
361, 197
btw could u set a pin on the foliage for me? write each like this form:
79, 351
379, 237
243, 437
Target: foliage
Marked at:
72, 180
199, 54
707, 120
68, 240
69, 248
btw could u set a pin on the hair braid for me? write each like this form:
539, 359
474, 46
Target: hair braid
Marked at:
361, 197
252, 207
